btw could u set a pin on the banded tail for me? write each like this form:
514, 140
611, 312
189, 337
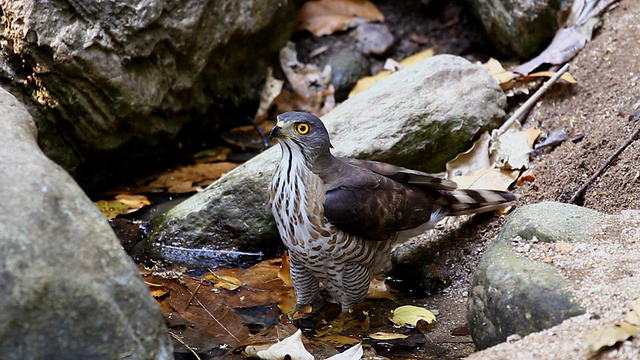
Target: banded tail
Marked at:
467, 201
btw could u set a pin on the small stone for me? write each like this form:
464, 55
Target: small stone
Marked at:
376, 39
513, 338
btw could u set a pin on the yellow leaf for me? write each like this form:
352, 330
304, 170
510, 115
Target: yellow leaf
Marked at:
411, 315
224, 281
368, 81
380, 335
417, 57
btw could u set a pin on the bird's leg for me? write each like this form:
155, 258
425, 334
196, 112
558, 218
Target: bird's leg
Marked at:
351, 285
305, 285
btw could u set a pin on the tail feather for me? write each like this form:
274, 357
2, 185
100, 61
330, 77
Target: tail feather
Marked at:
467, 201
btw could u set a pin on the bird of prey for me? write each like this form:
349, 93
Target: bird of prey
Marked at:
339, 217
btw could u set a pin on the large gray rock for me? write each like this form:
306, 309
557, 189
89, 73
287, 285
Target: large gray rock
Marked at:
510, 294
520, 27
600, 269
419, 117
69, 291
116, 73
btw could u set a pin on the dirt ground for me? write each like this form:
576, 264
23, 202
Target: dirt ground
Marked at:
598, 108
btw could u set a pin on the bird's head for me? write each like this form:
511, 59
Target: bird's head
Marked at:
304, 131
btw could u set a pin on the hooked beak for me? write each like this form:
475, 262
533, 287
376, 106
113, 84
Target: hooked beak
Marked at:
276, 132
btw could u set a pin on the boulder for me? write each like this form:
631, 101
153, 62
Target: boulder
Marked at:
419, 117
129, 75
69, 291
578, 261
511, 294
520, 27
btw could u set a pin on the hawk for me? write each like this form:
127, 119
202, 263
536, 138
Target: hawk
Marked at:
339, 217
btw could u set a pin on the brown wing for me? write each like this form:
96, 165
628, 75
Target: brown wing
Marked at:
404, 175
369, 205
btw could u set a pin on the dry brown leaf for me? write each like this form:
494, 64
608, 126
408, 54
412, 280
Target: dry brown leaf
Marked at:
183, 179
532, 135
205, 320
260, 285
285, 271
324, 17
379, 290
337, 340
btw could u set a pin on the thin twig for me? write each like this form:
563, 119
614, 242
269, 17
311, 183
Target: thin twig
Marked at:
213, 317
175, 336
532, 100
193, 294
606, 163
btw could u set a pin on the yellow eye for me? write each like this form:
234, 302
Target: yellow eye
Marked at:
302, 128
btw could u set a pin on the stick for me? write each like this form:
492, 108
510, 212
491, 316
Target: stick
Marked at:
532, 100
606, 163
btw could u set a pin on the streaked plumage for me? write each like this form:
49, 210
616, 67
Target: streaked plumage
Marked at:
339, 217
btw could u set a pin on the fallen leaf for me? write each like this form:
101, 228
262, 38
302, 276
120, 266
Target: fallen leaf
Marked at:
324, 17
532, 135
379, 290
633, 315
572, 36
224, 281
368, 81
133, 201
621, 331
411, 315
338, 340
202, 319
285, 271
505, 78
271, 89
527, 176
353, 353
186, 178
380, 335
511, 150
491, 179
312, 90
111, 208
291, 347
472, 160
